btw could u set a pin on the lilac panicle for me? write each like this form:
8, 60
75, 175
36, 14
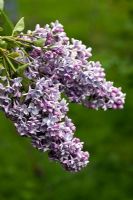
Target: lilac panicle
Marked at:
41, 115
65, 60
57, 65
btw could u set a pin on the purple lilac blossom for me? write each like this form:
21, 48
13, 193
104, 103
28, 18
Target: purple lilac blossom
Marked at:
40, 114
67, 62
59, 65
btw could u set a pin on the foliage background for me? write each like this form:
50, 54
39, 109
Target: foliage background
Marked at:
25, 173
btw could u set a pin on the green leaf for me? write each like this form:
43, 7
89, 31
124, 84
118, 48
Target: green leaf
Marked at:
14, 54
40, 42
5, 23
20, 71
1, 4
22, 68
19, 26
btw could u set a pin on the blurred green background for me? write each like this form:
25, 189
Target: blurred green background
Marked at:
25, 173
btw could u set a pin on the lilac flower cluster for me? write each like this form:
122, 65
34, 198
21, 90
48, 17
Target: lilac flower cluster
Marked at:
67, 62
41, 115
56, 65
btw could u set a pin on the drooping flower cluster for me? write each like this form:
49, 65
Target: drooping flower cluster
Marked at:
41, 115
67, 62
56, 65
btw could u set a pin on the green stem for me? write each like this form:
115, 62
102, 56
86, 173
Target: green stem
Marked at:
23, 40
22, 44
7, 73
16, 40
10, 63
17, 61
